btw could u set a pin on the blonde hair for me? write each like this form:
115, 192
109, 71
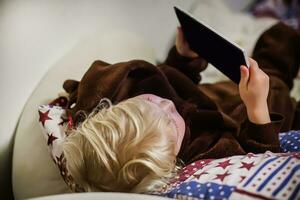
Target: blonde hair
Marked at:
122, 148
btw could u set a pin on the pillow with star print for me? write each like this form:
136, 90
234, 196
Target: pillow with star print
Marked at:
54, 122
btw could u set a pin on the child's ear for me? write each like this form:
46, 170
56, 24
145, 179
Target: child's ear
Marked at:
70, 85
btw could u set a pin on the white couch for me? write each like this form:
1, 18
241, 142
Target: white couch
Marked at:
38, 35
33, 172
32, 164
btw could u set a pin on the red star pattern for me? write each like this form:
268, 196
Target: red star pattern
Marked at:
44, 116
60, 159
248, 166
189, 170
242, 178
64, 120
51, 138
296, 155
222, 176
224, 164
199, 175
201, 163
251, 155
62, 166
267, 155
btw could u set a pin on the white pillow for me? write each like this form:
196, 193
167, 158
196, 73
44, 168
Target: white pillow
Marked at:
34, 173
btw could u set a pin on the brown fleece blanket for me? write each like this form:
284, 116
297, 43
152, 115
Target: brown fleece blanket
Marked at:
216, 121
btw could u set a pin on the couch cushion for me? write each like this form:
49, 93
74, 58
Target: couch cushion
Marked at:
34, 173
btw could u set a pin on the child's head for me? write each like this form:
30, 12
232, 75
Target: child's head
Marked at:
127, 147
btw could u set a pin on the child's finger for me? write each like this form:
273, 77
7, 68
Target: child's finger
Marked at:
178, 42
179, 30
254, 69
253, 65
244, 76
180, 35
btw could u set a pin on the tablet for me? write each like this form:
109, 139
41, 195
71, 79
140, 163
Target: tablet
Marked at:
223, 54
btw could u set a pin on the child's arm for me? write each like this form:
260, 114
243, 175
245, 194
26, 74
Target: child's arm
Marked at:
254, 89
260, 132
184, 59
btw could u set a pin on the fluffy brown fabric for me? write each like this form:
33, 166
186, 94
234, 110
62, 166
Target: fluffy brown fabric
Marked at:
216, 120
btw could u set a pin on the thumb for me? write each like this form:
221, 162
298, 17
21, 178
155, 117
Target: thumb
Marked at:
179, 36
179, 40
244, 75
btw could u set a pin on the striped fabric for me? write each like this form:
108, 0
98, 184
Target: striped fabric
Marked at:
253, 176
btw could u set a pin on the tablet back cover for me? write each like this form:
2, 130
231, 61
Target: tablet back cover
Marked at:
218, 51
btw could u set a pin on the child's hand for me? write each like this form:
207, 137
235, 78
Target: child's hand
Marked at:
254, 90
182, 46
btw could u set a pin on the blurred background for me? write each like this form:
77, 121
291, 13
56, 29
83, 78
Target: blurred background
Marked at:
35, 34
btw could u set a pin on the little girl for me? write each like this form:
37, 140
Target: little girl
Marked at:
151, 116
